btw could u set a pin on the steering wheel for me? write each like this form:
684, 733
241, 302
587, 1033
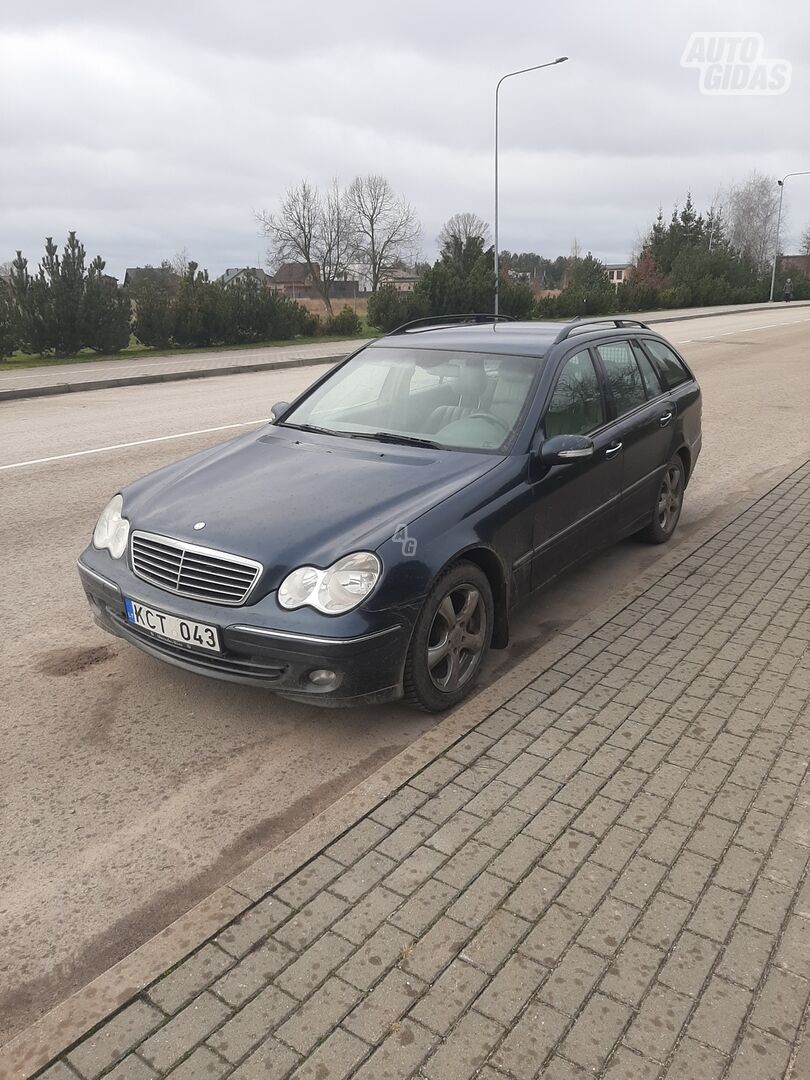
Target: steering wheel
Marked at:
492, 418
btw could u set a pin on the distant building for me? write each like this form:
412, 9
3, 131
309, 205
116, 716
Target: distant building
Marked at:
796, 264
242, 273
618, 273
403, 280
298, 282
134, 276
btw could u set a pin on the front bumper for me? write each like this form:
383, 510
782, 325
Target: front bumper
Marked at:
365, 650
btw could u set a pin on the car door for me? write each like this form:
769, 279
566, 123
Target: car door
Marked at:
644, 418
575, 503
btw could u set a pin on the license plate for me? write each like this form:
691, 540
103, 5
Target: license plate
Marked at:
185, 631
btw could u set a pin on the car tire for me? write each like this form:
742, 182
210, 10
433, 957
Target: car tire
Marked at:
450, 640
668, 504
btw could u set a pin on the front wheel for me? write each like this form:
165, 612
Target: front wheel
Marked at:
668, 504
450, 640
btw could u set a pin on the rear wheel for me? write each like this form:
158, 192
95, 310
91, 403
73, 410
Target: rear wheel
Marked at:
668, 504
451, 639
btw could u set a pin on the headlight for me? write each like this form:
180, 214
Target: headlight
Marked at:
335, 590
112, 528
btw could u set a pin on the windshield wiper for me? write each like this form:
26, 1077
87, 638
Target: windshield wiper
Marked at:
311, 427
392, 437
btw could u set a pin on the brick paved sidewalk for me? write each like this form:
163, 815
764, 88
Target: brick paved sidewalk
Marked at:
607, 877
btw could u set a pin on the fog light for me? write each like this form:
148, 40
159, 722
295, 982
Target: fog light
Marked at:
323, 677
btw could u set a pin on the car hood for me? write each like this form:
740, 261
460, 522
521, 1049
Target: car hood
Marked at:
285, 498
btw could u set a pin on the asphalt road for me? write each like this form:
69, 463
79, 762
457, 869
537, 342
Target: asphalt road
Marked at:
129, 790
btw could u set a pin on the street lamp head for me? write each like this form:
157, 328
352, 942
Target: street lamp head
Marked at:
781, 183
560, 59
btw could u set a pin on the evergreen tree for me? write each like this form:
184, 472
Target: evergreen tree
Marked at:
106, 311
9, 322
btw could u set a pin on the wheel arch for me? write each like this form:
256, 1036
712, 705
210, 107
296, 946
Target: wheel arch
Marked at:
487, 561
685, 455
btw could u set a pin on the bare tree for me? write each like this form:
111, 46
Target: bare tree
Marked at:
804, 243
316, 230
179, 263
750, 213
461, 228
385, 226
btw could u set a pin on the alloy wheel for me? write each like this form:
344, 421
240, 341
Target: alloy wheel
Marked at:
456, 639
670, 498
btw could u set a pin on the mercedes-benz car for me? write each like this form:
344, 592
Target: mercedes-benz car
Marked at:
371, 540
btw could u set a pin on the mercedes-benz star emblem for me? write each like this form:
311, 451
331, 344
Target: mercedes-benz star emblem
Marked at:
199, 525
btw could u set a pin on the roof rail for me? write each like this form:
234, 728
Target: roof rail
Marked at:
578, 323
435, 322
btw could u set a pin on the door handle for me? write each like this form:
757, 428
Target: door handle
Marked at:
611, 450
665, 419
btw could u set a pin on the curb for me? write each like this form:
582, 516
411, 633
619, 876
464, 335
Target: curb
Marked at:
273, 365
32, 1049
163, 377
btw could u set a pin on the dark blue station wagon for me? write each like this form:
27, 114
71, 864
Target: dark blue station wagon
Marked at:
371, 540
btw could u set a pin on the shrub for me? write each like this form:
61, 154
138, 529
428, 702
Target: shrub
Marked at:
346, 323
9, 323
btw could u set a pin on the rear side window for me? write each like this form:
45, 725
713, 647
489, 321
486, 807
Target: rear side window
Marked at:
623, 376
648, 372
670, 367
576, 404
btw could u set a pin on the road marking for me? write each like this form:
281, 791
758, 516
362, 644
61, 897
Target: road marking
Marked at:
126, 445
745, 330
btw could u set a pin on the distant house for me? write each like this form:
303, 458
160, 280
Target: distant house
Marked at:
243, 273
403, 280
618, 273
299, 283
135, 276
794, 264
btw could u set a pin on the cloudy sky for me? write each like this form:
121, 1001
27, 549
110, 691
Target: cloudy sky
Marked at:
159, 125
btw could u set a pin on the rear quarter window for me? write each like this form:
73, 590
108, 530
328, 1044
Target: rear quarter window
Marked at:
671, 369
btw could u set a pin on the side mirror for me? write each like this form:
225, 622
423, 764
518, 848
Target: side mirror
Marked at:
565, 449
278, 410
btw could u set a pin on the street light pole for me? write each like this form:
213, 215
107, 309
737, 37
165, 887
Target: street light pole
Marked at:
509, 75
781, 184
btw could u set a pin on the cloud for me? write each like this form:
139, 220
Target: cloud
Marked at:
156, 126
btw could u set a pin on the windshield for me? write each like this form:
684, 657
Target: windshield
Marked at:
433, 397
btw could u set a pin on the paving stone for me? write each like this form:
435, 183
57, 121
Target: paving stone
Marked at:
794, 949
511, 988
182, 984
780, 1006
382, 950
768, 905
173, 1042
202, 1063
572, 980
530, 1042
319, 1014
432, 952
412, 872
454, 833
115, 1039
658, 1023
449, 997
251, 1024
596, 1031
442, 806
551, 935
711, 837
397, 845
786, 863
313, 877
361, 838
384, 1005
437, 775
534, 894
638, 881
363, 876
496, 939
568, 852
632, 971
598, 816
691, 1061
746, 955
628, 1065
759, 1057
557, 1068
314, 965
253, 972
422, 909
309, 923
550, 822
479, 899
254, 926
399, 1054
336, 1058
364, 917
689, 875
738, 869
720, 1014
131, 1068
465, 1050
663, 844
60, 1071
466, 864
587, 887
399, 806
716, 913
517, 858
607, 928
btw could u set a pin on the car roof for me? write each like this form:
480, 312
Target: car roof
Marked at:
517, 338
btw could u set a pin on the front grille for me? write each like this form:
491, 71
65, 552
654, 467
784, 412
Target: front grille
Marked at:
196, 572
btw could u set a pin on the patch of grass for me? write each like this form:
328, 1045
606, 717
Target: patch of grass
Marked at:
20, 360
